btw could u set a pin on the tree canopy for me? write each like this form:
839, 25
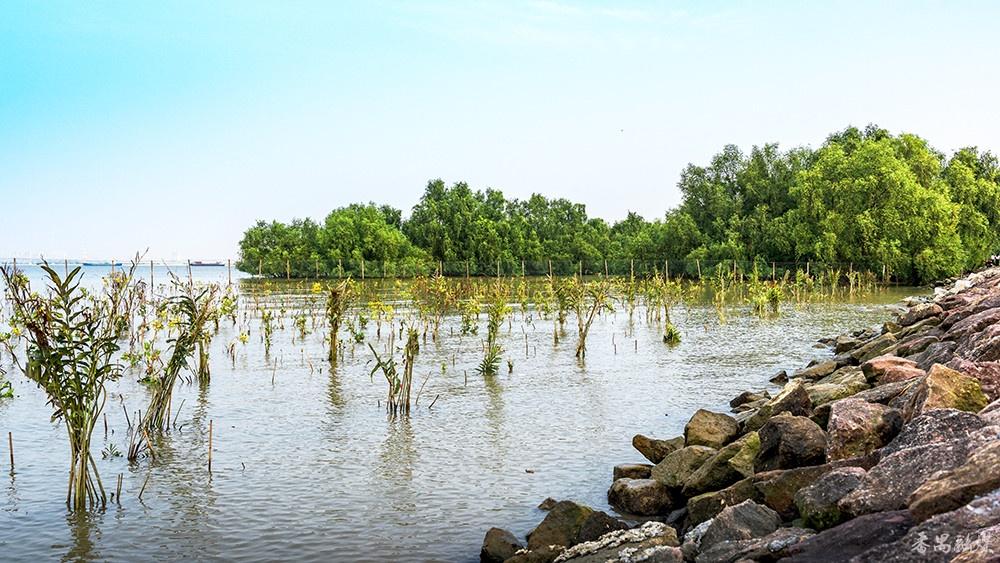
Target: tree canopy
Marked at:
865, 197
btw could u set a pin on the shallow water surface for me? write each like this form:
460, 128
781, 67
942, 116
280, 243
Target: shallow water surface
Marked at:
307, 466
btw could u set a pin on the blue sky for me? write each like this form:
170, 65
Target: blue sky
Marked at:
175, 125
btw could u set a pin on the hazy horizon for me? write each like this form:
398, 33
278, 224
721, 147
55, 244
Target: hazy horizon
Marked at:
175, 127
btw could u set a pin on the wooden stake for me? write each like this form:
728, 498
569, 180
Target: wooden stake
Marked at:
229, 270
605, 268
260, 267
362, 269
144, 483
209, 446
631, 268
550, 268
288, 269
10, 444
190, 275
697, 262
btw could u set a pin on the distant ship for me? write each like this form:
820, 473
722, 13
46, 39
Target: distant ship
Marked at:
106, 264
200, 263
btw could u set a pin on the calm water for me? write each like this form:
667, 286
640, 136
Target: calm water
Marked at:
306, 465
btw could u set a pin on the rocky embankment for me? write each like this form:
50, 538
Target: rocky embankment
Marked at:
888, 451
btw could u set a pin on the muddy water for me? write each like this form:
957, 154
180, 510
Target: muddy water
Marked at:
307, 466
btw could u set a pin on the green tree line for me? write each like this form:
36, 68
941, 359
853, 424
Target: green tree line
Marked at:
865, 197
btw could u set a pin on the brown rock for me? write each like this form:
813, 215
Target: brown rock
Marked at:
644, 497
732, 463
857, 427
817, 503
499, 546
655, 450
707, 428
793, 399
705, 506
945, 388
678, 466
987, 373
632, 471
919, 313
889, 369
852, 538
790, 441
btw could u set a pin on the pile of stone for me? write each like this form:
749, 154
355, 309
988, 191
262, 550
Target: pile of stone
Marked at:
887, 451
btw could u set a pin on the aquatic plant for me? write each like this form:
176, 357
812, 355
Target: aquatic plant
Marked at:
337, 301
589, 299
496, 311
71, 339
400, 384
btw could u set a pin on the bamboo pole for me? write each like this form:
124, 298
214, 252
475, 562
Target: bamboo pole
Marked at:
466, 269
362, 269
229, 270
631, 268
288, 269
10, 445
666, 269
550, 268
697, 262
190, 275
522, 267
605, 267
498, 267
772, 271
260, 267
151, 284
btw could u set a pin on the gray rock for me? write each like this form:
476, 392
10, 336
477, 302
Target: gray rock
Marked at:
771, 547
817, 503
632, 471
852, 538
741, 522
678, 466
857, 427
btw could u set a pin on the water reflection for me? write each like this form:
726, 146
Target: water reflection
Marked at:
83, 533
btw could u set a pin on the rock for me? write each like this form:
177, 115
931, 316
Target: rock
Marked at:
975, 528
644, 497
780, 378
919, 313
561, 526
888, 485
547, 504
705, 506
706, 428
728, 465
749, 397
948, 490
987, 373
991, 414
845, 343
652, 542
837, 386
915, 345
945, 388
777, 489
631, 471
499, 546
852, 538
655, 450
884, 393
741, 522
890, 369
771, 547
937, 353
793, 399
543, 554
982, 347
875, 347
598, 524
857, 427
790, 441
817, 371
817, 503
678, 466
937, 426
973, 324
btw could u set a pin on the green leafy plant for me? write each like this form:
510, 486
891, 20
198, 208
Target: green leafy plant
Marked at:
71, 339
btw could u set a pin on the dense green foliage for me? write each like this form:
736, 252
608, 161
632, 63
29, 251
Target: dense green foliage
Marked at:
865, 198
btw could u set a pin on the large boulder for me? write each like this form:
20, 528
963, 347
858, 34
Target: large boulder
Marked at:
772, 547
857, 427
631, 471
840, 384
991, 414
874, 347
987, 373
643, 497
890, 369
748, 397
652, 542
945, 388
679, 465
932, 427
707, 428
730, 464
566, 524
817, 503
793, 399
706, 505
888, 485
655, 450
790, 441
499, 546
916, 344
948, 490
852, 538
919, 313
818, 370
973, 531
741, 522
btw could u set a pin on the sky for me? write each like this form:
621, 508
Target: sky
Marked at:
174, 126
